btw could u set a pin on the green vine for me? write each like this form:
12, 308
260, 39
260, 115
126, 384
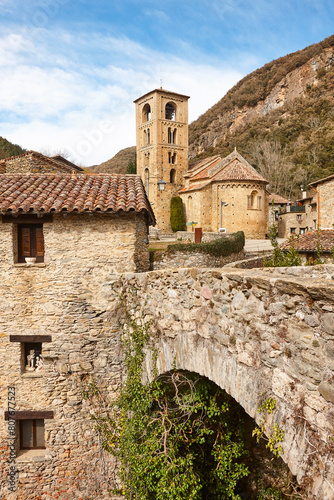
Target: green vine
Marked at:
277, 436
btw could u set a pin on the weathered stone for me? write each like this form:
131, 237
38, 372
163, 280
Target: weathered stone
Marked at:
329, 347
327, 322
327, 391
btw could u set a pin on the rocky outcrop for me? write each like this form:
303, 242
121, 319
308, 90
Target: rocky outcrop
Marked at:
292, 86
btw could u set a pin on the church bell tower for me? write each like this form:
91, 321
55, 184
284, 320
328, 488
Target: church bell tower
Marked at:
162, 148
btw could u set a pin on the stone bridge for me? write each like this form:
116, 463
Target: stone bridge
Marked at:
255, 333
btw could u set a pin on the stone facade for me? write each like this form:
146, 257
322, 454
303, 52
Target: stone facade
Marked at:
324, 197
298, 218
162, 148
67, 298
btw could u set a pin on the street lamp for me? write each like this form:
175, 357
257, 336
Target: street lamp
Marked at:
162, 185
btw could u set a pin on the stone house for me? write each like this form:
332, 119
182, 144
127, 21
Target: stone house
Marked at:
34, 162
323, 197
276, 204
308, 244
298, 217
57, 331
226, 195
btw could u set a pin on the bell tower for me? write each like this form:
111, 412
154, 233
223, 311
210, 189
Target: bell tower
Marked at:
162, 148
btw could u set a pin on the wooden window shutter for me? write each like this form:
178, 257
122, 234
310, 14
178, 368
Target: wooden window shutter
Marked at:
39, 242
25, 241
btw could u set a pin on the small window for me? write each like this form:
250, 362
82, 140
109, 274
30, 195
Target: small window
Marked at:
171, 135
302, 230
299, 217
170, 111
32, 356
32, 434
148, 137
276, 214
146, 113
259, 202
30, 242
292, 230
172, 176
172, 158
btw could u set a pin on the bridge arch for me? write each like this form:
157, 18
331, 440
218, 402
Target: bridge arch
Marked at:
253, 333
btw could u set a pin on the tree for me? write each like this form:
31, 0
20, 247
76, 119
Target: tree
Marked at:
176, 214
132, 166
272, 161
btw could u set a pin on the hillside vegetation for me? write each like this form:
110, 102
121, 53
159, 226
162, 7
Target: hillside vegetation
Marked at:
117, 164
8, 149
291, 145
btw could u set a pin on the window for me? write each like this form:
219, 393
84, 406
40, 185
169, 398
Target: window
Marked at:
299, 218
146, 113
251, 200
259, 202
292, 230
171, 158
30, 242
147, 181
171, 135
172, 176
32, 356
31, 351
148, 136
302, 230
276, 214
170, 111
32, 434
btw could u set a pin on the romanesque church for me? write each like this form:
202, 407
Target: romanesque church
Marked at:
218, 194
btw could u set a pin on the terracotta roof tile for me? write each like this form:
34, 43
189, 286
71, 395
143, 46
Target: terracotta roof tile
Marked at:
308, 242
73, 193
276, 198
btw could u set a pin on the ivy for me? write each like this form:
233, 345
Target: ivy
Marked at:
176, 438
277, 435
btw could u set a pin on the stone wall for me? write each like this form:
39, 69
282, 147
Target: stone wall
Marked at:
30, 164
326, 190
69, 298
166, 260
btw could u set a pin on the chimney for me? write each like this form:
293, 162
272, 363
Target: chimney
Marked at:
304, 195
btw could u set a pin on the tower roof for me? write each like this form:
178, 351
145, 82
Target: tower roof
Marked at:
162, 91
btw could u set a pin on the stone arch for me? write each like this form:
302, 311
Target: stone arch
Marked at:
170, 111
146, 114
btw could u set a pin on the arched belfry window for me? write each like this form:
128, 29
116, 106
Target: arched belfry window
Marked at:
172, 176
170, 111
148, 136
146, 113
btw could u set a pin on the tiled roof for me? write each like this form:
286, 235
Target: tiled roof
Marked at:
194, 187
47, 193
308, 242
232, 168
57, 162
320, 181
277, 199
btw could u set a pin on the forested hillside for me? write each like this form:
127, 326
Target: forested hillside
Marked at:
8, 149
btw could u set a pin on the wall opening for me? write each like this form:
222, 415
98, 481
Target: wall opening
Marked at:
170, 111
146, 113
172, 176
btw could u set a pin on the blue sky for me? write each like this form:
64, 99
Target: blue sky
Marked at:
71, 69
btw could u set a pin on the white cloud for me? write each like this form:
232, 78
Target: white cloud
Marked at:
77, 95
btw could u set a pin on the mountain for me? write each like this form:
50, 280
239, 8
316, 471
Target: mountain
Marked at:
8, 149
280, 118
118, 163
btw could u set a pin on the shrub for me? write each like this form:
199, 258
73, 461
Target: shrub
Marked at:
176, 214
221, 247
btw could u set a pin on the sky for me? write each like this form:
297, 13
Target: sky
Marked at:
71, 69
